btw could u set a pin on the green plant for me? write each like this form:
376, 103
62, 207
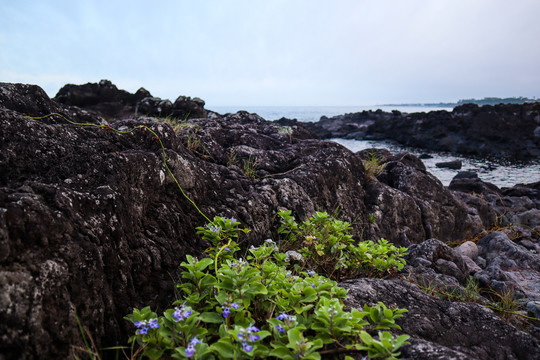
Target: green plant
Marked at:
373, 166
329, 248
285, 130
177, 124
250, 167
233, 157
231, 308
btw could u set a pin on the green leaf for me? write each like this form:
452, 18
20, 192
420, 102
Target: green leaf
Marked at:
224, 349
211, 317
204, 263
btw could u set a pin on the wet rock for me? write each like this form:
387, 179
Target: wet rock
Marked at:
504, 130
441, 329
454, 164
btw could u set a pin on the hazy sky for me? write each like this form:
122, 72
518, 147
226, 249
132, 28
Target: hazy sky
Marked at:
278, 52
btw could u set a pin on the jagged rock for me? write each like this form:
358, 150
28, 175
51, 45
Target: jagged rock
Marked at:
185, 107
444, 217
439, 257
153, 106
504, 130
509, 266
91, 223
441, 329
103, 97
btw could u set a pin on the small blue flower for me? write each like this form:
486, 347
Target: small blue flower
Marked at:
252, 329
282, 316
280, 328
235, 306
247, 347
253, 338
194, 341
143, 330
190, 351
181, 314
233, 219
216, 229
311, 273
226, 312
154, 324
313, 286
227, 249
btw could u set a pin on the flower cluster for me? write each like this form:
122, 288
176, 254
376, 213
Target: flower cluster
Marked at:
181, 314
288, 321
227, 309
247, 337
190, 350
146, 325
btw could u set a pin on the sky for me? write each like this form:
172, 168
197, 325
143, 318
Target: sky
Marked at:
274, 52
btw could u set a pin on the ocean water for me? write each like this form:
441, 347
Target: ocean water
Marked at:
314, 113
499, 172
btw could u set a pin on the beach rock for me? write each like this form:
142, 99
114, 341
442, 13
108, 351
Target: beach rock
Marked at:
504, 130
441, 329
93, 225
454, 164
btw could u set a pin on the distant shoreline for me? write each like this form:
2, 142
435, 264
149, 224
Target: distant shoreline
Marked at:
484, 101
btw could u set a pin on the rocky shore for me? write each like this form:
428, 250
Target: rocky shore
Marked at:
92, 225
501, 131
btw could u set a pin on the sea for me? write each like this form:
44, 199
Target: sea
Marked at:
502, 173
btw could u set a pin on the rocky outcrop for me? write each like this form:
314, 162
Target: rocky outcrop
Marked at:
441, 329
92, 225
505, 130
109, 101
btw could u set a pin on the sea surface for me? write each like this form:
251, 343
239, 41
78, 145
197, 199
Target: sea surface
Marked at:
499, 172
314, 113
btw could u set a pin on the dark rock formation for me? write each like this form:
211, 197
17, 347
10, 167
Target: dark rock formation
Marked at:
454, 164
91, 223
109, 101
103, 97
441, 329
509, 130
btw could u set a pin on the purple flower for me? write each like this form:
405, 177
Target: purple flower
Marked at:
253, 338
311, 273
181, 314
282, 316
190, 350
252, 329
226, 312
280, 328
247, 347
216, 229
233, 219
145, 325
235, 306
227, 249
153, 324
